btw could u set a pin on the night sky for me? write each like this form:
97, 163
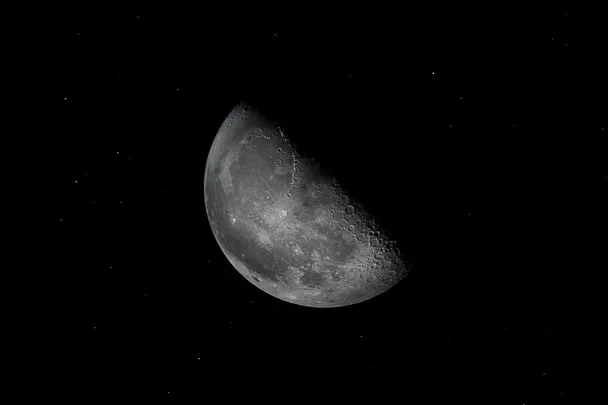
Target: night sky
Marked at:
452, 126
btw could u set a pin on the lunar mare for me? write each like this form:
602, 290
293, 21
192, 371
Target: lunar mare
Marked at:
288, 227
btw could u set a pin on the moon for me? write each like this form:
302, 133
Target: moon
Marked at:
286, 225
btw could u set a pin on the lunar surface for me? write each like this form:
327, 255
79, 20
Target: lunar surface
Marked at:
286, 225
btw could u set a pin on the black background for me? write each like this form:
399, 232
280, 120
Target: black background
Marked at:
450, 125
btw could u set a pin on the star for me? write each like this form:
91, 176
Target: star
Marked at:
65, 98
